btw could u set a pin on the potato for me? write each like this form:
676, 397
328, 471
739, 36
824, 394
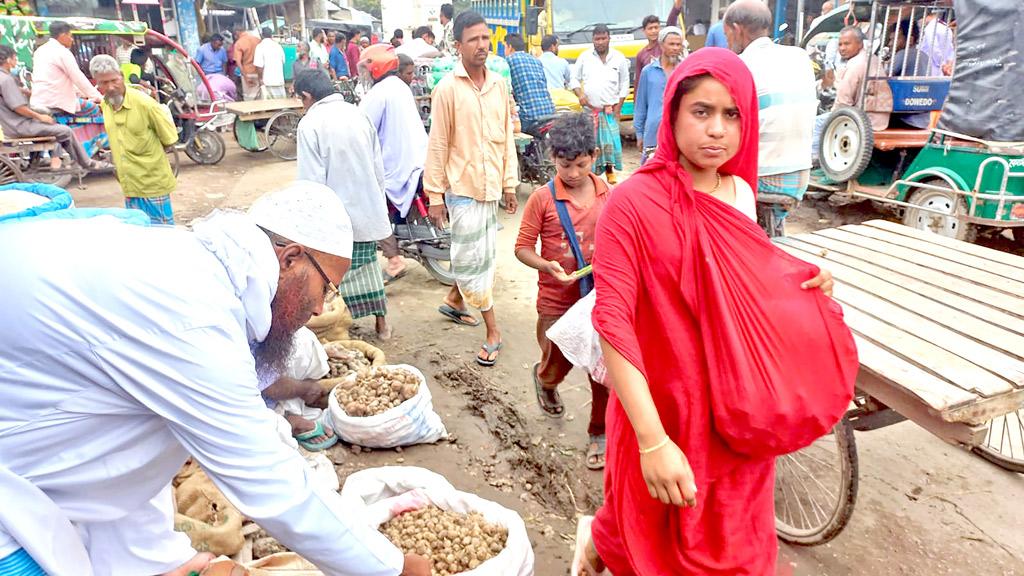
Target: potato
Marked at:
375, 390
454, 542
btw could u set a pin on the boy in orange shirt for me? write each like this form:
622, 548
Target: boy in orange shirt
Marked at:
563, 215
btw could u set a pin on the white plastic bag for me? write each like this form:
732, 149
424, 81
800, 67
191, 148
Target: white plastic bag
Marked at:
378, 494
411, 422
575, 336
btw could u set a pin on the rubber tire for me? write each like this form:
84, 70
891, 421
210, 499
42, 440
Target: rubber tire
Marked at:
213, 148
174, 159
292, 152
965, 232
996, 457
440, 273
847, 446
9, 171
862, 157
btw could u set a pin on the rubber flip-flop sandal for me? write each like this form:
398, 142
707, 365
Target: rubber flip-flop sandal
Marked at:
489, 349
388, 278
304, 439
597, 452
458, 316
545, 407
579, 557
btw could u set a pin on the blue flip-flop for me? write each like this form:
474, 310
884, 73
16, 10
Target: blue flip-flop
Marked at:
304, 439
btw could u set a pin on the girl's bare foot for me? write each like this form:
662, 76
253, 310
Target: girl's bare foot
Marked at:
591, 563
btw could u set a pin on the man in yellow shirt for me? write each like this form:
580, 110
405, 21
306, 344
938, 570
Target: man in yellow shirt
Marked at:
471, 163
139, 129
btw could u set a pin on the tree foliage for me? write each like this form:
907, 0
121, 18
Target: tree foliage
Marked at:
371, 6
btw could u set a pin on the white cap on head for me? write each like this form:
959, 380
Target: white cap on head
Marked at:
306, 213
669, 30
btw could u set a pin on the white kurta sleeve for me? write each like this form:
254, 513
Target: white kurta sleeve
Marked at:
202, 382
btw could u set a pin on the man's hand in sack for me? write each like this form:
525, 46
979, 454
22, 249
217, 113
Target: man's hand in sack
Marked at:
312, 392
416, 565
511, 202
438, 214
556, 270
822, 281
668, 476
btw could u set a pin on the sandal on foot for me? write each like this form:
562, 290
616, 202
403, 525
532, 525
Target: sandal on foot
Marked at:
458, 316
595, 452
388, 278
304, 438
551, 409
489, 349
580, 565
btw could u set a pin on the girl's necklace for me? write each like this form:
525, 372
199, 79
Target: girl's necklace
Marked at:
718, 184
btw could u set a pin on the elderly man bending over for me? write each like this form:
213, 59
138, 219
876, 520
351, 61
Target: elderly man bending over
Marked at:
132, 369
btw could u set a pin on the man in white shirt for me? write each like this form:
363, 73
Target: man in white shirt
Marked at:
786, 92
601, 82
58, 84
132, 369
269, 61
317, 49
422, 46
339, 147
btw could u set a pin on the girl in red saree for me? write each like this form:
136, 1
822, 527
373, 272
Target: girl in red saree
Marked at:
689, 297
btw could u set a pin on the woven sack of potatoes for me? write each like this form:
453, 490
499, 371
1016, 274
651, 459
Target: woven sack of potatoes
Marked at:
204, 514
333, 323
340, 348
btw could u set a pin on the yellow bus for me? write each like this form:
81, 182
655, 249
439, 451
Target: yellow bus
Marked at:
573, 22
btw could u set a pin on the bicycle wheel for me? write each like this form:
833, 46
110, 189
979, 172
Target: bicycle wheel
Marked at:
1004, 442
816, 488
9, 171
282, 134
205, 147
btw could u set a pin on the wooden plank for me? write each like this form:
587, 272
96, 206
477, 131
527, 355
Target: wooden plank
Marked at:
927, 355
979, 309
900, 400
973, 249
891, 267
263, 106
951, 254
966, 272
917, 314
984, 410
939, 395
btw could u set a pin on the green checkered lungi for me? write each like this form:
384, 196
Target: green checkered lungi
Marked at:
363, 286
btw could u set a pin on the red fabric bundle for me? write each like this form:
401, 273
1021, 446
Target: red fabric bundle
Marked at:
742, 363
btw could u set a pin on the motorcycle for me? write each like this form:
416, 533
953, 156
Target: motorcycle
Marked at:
534, 153
200, 138
420, 240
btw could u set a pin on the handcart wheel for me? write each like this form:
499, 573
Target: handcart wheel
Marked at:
205, 147
282, 134
816, 488
260, 137
1004, 442
173, 159
9, 171
847, 142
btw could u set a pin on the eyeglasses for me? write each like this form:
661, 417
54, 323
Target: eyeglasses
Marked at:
331, 291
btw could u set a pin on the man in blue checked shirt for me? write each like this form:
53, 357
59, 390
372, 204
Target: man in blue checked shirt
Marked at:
529, 83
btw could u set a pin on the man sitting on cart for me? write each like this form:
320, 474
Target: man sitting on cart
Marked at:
18, 120
58, 84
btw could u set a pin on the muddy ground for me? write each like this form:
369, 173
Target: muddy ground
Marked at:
924, 507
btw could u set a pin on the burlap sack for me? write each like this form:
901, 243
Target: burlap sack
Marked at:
283, 564
204, 514
332, 323
373, 354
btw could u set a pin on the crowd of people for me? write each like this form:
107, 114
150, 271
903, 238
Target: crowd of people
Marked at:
182, 352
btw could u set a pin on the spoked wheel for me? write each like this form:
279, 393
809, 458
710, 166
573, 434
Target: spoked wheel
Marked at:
205, 147
816, 488
942, 199
282, 134
1004, 442
847, 142
9, 171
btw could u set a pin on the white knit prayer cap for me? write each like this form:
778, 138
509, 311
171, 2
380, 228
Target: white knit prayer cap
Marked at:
669, 30
306, 213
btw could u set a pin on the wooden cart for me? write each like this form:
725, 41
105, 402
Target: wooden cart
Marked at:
275, 122
939, 326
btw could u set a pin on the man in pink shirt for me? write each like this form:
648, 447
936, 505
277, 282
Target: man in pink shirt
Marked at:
58, 84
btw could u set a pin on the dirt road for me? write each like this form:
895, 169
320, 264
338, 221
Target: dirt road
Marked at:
924, 507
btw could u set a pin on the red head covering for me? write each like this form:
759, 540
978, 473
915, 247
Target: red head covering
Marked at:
728, 69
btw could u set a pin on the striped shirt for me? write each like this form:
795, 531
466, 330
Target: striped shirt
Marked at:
788, 103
